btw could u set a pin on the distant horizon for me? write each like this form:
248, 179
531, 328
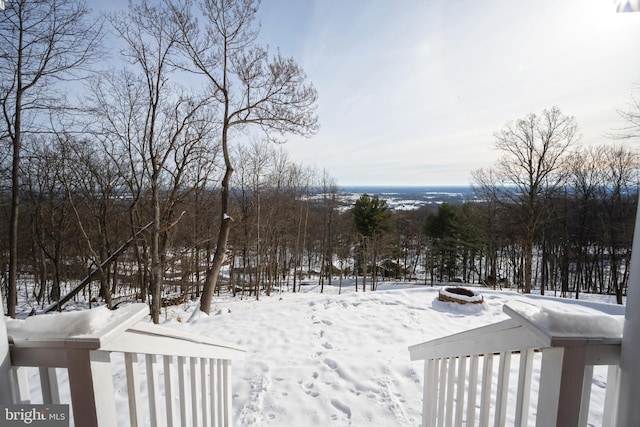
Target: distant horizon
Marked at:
403, 185
409, 197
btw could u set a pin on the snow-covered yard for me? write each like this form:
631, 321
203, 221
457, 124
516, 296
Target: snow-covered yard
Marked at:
338, 360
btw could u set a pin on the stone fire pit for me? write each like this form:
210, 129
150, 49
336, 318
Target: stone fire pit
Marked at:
460, 295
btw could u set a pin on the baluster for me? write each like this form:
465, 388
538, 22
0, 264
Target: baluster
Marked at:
225, 393
523, 395
226, 388
586, 396
193, 374
502, 391
203, 391
442, 376
133, 389
214, 385
168, 389
429, 392
182, 390
611, 396
461, 384
21, 385
451, 376
49, 385
152, 388
473, 390
485, 398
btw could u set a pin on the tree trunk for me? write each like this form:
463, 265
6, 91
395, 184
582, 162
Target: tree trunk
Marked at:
365, 247
12, 293
211, 279
156, 268
296, 254
528, 264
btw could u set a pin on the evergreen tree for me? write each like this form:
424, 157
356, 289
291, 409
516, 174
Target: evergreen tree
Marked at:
371, 218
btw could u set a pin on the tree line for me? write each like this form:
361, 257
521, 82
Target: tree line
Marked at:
289, 230
556, 214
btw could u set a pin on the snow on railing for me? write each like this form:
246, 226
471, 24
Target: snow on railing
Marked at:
485, 376
192, 372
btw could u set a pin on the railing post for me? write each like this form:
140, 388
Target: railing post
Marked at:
91, 387
628, 408
561, 374
6, 396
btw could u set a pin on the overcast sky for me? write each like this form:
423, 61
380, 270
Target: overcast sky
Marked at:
412, 91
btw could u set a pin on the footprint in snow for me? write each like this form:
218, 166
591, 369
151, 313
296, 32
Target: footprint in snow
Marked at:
309, 388
341, 407
330, 363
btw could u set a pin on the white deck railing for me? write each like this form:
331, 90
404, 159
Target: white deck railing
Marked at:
486, 376
192, 372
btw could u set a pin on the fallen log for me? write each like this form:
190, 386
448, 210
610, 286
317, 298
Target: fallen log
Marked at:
58, 304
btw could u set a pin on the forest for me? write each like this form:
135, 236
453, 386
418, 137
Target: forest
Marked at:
165, 180
289, 230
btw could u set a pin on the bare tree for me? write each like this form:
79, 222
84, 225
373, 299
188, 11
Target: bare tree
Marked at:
631, 115
95, 192
161, 127
256, 161
267, 194
41, 42
253, 88
533, 150
329, 193
45, 196
586, 176
618, 197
